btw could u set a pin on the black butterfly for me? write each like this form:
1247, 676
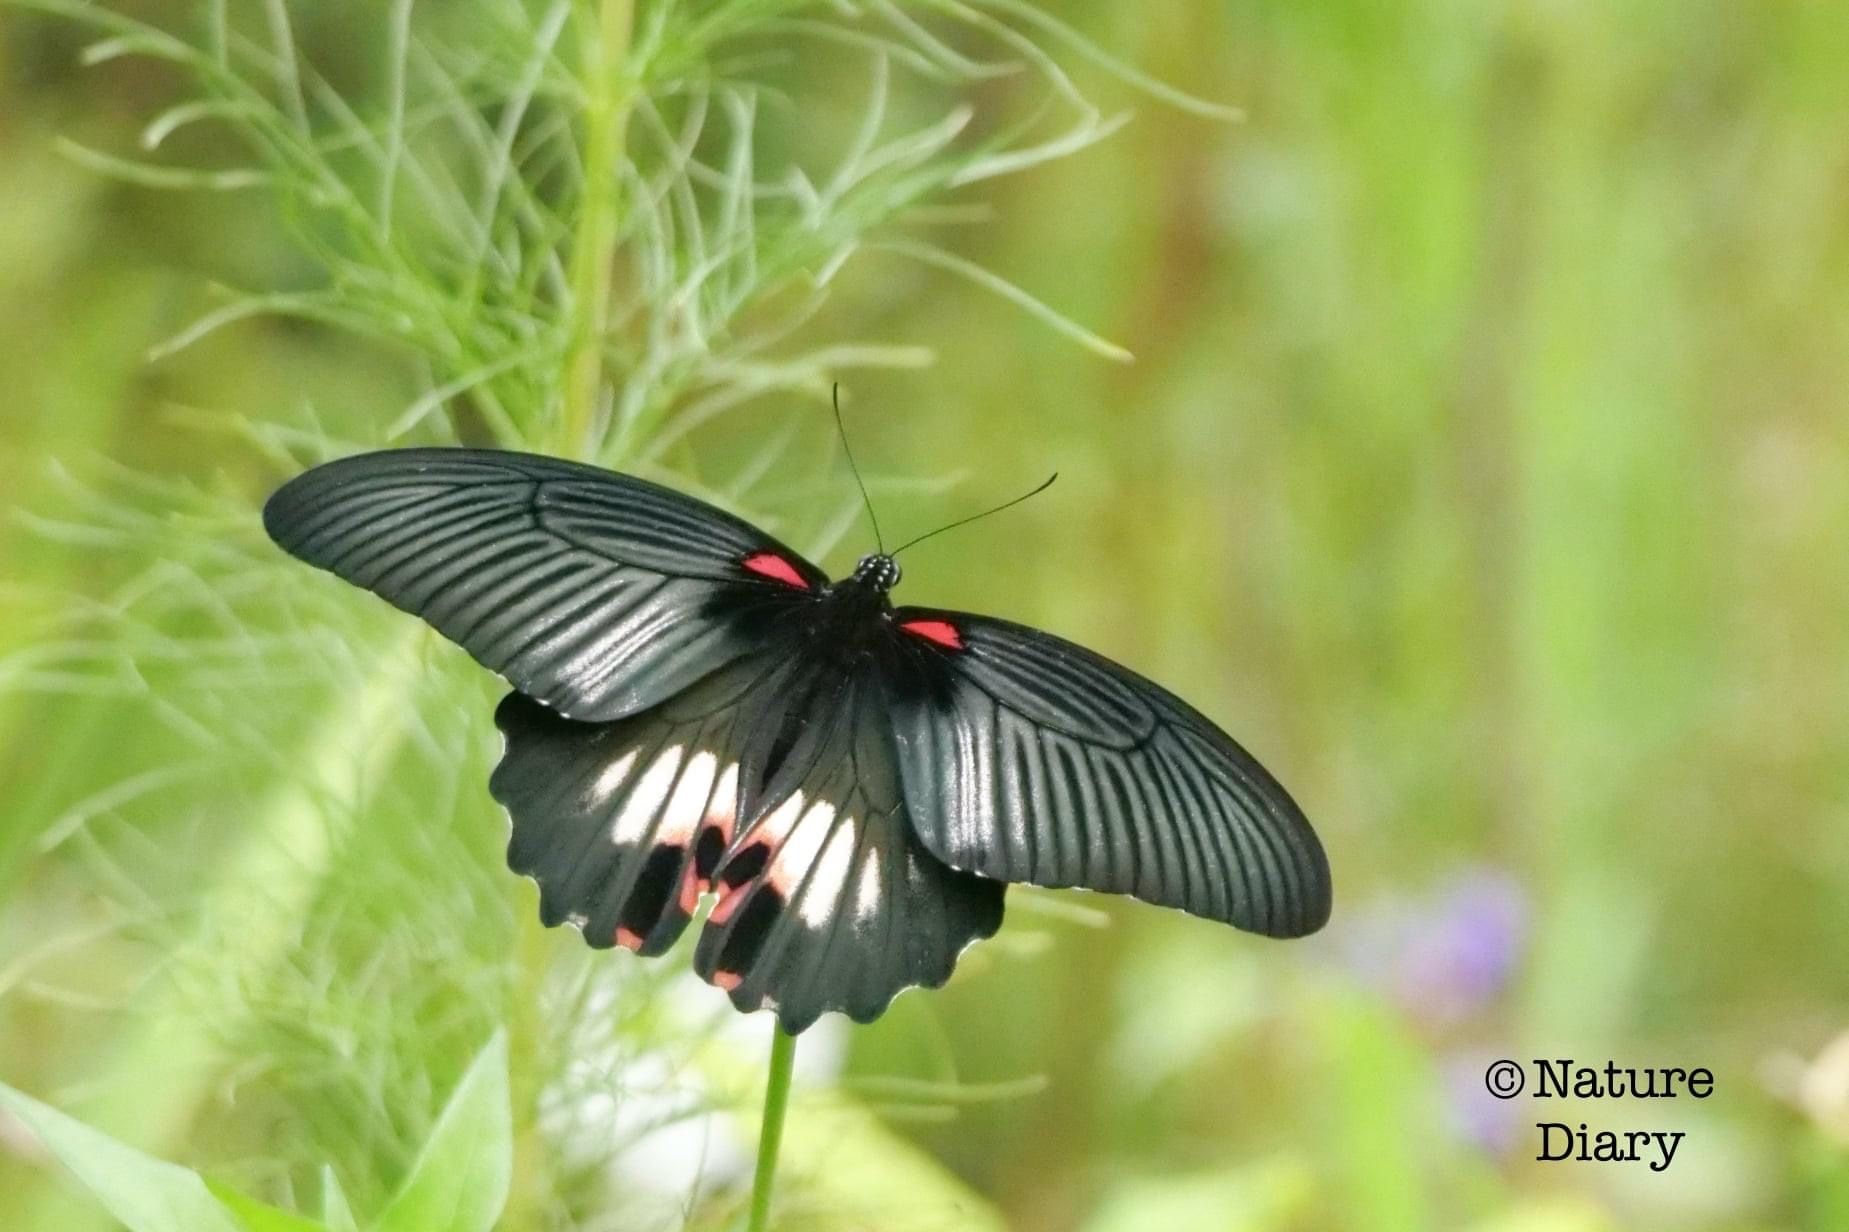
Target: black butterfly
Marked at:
698, 709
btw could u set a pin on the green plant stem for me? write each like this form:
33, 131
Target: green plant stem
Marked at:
608, 87
534, 1179
770, 1133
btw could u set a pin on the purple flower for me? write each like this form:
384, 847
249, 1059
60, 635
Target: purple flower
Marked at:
1447, 954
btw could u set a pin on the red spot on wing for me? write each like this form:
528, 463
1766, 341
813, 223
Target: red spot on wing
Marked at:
728, 980
775, 567
940, 631
629, 939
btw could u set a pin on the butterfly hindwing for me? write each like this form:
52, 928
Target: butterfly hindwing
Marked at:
616, 821
830, 902
1027, 758
597, 593
825, 899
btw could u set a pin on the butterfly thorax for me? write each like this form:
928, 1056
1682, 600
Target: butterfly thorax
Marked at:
878, 571
851, 609
824, 668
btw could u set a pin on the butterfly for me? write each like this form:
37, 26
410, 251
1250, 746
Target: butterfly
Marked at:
698, 710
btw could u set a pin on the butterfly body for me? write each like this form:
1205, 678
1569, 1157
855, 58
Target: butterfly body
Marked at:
699, 711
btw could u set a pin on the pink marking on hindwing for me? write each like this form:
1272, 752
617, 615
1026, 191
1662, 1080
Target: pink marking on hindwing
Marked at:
720, 821
731, 896
690, 888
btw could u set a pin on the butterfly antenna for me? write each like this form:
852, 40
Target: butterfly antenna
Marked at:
855, 467
1044, 485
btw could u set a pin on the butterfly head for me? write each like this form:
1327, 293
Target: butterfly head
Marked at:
878, 570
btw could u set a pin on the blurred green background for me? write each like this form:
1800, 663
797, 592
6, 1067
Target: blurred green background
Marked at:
1483, 466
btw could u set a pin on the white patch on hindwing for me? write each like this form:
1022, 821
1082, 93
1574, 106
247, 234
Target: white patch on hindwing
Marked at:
645, 800
867, 895
722, 811
812, 855
687, 808
675, 798
613, 776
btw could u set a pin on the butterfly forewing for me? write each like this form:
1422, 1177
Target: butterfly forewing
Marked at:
1027, 758
597, 593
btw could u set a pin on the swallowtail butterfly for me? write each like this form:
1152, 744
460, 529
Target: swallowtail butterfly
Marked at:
699, 710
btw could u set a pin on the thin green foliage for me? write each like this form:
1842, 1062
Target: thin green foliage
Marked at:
571, 227
447, 213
